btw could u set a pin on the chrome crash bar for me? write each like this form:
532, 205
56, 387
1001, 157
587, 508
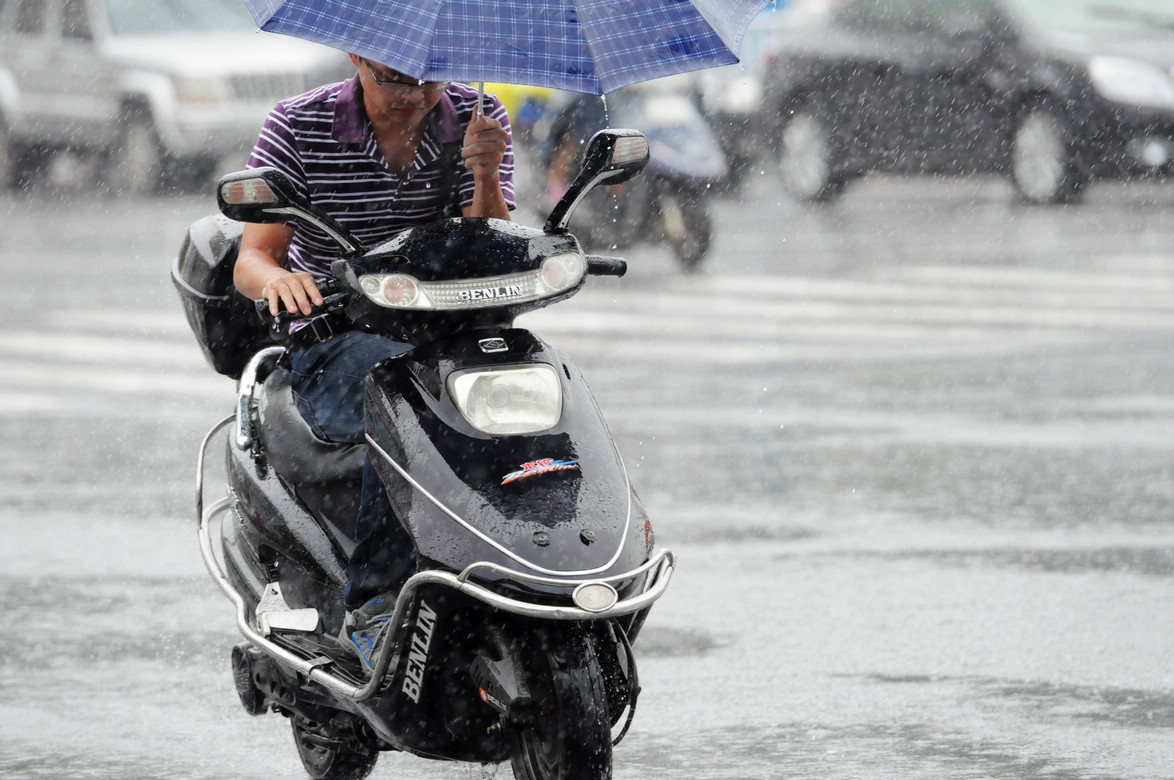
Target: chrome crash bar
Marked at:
661, 566
244, 402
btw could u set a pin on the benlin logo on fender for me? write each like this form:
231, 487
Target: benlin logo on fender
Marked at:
536, 467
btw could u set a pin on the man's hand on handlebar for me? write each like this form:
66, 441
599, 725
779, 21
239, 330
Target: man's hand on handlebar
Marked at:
297, 291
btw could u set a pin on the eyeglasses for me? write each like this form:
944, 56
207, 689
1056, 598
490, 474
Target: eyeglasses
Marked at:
404, 84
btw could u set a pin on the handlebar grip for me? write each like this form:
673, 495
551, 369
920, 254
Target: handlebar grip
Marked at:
333, 297
602, 265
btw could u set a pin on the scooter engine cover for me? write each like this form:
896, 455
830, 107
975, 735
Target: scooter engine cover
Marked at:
557, 502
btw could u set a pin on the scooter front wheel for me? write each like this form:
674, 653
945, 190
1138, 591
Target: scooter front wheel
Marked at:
570, 738
329, 754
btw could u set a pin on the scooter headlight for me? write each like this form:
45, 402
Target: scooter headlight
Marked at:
508, 401
398, 290
557, 274
561, 272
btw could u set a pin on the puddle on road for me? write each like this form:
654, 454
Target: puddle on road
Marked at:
1147, 561
662, 642
1128, 707
1131, 708
705, 535
67, 627
901, 751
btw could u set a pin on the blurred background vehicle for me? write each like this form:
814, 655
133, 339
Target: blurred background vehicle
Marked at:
667, 204
1053, 93
732, 96
143, 88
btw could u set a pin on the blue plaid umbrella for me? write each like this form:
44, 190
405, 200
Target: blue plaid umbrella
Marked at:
593, 46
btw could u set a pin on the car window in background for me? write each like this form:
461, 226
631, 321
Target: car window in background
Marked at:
878, 14
916, 16
1098, 16
177, 17
951, 17
75, 22
30, 17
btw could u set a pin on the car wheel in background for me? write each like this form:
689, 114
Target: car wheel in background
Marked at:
19, 164
135, 166
1043, 167
806, 158
7, 160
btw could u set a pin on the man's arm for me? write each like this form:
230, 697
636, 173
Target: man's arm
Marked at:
260, 270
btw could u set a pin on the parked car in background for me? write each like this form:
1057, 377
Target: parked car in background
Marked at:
1053, 93
145, 87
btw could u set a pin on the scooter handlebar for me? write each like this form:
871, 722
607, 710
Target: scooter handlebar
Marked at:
601, 265
333, 297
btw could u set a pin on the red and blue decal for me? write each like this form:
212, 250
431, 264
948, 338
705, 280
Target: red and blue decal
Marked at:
541, 466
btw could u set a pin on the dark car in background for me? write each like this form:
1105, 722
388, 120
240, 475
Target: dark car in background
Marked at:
149, 89
1052, 93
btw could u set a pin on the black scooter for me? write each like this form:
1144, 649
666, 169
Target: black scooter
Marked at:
535, 560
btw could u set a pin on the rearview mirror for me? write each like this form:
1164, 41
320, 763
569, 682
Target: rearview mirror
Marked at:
266, 195
612, 157
257, 195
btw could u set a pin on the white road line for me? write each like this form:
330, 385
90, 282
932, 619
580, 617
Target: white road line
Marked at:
765, 329
926, 312
1140, 292
12, 404
689, 351
54, 378
1007, 276
693, 314
89, 348
156, 322
942, 428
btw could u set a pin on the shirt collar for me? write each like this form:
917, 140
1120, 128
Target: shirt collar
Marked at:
446, 122
351, 125
350, 118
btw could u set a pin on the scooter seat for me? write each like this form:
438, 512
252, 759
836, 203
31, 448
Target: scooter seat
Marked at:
293, 450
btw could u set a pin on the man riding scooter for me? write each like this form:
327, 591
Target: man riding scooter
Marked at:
379, 153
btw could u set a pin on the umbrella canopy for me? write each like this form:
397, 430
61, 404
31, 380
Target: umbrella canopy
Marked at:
592, 46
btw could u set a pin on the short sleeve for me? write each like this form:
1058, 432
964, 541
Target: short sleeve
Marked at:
276, 147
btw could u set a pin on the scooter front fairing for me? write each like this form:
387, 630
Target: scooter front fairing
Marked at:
555, 502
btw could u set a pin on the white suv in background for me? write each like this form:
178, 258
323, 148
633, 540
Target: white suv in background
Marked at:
149, 89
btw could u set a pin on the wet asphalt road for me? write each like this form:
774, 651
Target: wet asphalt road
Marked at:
915, 453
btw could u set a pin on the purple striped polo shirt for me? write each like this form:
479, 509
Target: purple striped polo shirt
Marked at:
323, 142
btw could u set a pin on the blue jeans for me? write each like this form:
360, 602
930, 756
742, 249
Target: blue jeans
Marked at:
327, 381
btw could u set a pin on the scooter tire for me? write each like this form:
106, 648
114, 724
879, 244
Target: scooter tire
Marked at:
570, 738
327, 754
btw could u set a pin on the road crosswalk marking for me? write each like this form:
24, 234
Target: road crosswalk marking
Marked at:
924, 311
